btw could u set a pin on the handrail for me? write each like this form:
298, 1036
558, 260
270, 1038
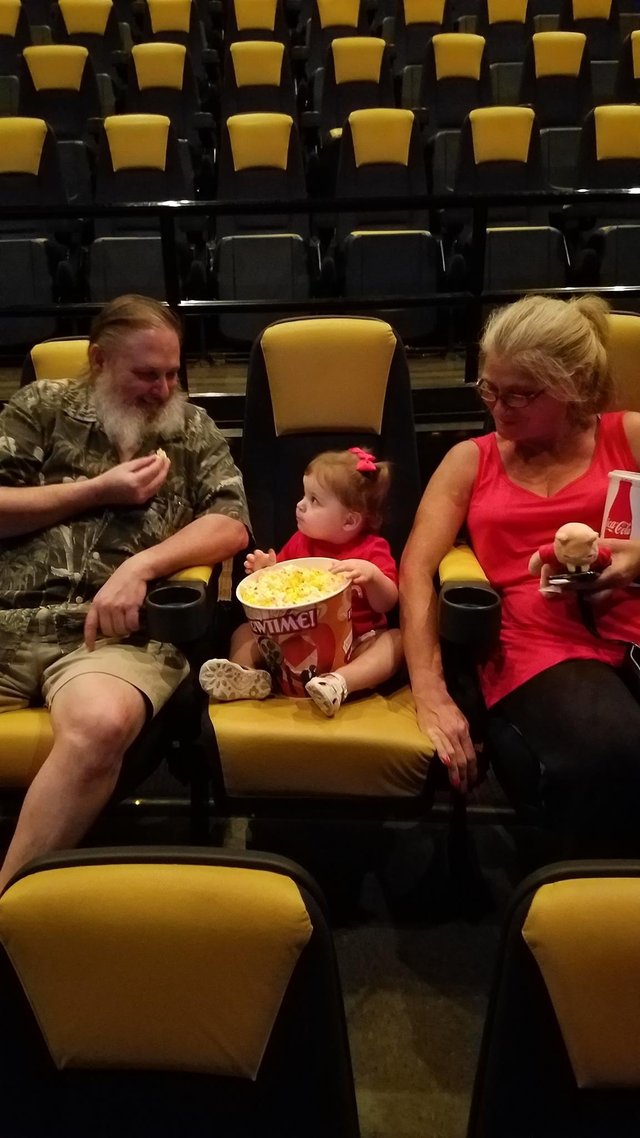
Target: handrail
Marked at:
323, 205
474, 298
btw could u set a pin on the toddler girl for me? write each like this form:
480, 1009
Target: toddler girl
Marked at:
338, 517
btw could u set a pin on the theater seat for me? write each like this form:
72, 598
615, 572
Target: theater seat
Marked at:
178, 21
556, 78
58, 83
600, 22
386, 252
500, 151
330, 20
247, 20
56, 359
507, 26
26, 735
140, 159
15, 35
32, 249
161, 82
257, 77
169, 991
261, 256
357, 74
559, 1054
627, 81
609, 158
92, 24
298, 403
455, 79
416, 22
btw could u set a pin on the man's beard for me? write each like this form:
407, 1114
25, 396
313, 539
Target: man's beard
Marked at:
128, 425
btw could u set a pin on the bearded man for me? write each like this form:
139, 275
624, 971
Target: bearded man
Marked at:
105, 485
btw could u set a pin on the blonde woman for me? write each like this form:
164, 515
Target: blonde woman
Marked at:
545, 377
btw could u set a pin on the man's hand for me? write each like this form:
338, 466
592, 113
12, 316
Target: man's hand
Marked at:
132, 483
441, 719
259, 560
115, 610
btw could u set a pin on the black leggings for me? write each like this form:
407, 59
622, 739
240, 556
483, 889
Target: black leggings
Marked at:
575, 758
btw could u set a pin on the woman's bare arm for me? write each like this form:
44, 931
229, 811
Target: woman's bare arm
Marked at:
441, 514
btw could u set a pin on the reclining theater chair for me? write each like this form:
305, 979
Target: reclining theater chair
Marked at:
386, 252
257, 78
316, 384
609, 158
174, 992
140, 159
560, 1057
261, 256
500, 152
26, 735
32, 249
455, 80
514, 763
58, 84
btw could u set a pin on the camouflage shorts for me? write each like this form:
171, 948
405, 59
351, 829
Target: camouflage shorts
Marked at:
43, 652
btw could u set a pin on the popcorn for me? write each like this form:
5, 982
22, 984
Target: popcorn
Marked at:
161, 453
284, 586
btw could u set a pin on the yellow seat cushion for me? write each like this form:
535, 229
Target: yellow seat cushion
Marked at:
26, 736
25, 741
282, 746
167, 967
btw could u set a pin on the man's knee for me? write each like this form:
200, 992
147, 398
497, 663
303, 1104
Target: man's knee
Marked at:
99, 731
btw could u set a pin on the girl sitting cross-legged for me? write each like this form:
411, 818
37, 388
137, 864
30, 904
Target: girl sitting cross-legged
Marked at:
338, 517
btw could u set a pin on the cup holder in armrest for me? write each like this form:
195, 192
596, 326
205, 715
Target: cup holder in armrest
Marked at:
175, 611
469, 613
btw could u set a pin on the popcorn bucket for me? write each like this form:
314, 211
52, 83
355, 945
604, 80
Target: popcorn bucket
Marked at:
304, 639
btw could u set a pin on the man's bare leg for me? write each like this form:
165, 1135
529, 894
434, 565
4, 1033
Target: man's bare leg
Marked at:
95, 718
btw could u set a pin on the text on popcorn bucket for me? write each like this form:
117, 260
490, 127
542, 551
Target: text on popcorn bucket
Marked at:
292, 622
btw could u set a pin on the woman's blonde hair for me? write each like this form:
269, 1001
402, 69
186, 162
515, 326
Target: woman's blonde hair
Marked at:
561, 344
130, 313
357, 479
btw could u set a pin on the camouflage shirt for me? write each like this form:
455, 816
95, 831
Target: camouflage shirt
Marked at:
49, 434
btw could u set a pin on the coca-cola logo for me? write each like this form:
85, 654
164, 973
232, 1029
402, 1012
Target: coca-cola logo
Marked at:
617, 529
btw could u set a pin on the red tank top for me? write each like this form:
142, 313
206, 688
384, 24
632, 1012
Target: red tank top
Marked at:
506, 525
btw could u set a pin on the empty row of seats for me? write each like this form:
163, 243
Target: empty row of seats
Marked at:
277, 255
59, 83
507, 25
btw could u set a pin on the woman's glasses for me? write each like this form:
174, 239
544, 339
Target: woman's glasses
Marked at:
513, 399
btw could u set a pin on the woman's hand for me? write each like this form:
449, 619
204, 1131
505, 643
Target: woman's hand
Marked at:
624, 567
259, 560
441, 719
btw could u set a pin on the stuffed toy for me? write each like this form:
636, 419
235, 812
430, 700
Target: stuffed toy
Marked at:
574, 550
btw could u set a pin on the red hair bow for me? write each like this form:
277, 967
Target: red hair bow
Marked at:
366, 462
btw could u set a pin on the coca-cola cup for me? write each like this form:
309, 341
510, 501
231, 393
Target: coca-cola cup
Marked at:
622, 508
